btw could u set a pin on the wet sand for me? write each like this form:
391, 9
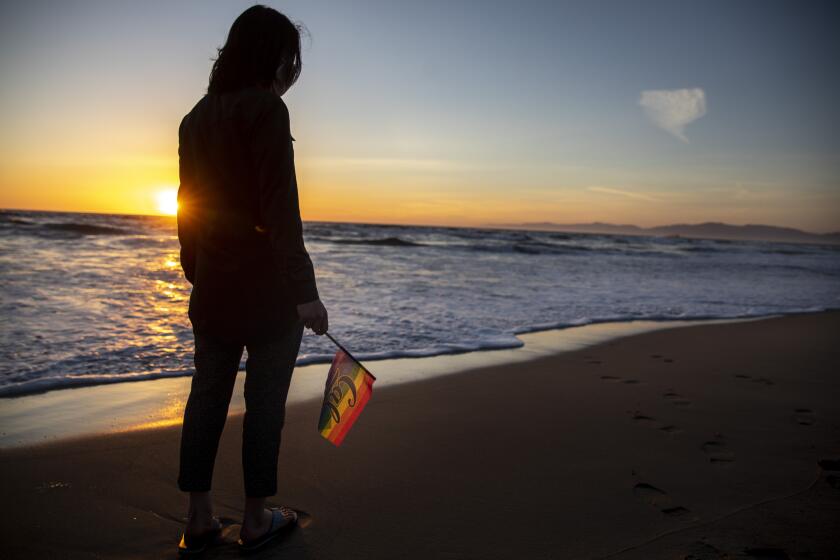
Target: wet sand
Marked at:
710, 441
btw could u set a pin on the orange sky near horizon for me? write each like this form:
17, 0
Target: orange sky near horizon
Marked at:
432, 134
136, 189
377, 192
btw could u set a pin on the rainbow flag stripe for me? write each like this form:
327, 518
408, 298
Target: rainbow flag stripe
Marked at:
348, 389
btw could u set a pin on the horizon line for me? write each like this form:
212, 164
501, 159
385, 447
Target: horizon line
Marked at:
489, 225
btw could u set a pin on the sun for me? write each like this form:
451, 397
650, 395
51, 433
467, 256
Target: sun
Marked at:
167, 202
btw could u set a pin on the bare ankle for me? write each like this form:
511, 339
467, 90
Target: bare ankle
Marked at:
254, 514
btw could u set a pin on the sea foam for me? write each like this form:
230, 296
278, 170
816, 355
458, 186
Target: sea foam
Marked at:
90, 299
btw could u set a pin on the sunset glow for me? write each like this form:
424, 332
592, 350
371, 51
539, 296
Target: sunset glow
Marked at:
167, 202
430, 133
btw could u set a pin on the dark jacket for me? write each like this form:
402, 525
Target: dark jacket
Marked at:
238, 217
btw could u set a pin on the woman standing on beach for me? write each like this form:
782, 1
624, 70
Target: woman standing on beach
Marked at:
253, 282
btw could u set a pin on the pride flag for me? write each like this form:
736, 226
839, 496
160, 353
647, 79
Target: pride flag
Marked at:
349, 386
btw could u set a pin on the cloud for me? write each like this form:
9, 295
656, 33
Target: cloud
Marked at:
628, 194
673, 109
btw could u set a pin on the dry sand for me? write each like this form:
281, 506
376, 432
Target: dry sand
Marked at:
704, 442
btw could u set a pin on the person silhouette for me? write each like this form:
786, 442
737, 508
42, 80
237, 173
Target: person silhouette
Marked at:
253, 283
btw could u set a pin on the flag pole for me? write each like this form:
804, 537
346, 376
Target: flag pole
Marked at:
346, 351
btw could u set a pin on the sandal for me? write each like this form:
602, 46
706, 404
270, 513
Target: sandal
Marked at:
190, 545
283, 520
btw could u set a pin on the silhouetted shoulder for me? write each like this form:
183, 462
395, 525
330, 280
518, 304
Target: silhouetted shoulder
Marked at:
263, 104
254, 115
186, 122
265, 117
182, 128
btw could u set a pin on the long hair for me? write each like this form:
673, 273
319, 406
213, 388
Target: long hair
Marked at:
259, 42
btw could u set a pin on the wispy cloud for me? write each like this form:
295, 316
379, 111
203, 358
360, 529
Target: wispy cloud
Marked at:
673, 109
619, 192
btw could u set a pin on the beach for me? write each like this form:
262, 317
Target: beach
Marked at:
705, 441
568, 278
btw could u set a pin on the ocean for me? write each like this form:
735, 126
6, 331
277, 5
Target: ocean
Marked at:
94, 298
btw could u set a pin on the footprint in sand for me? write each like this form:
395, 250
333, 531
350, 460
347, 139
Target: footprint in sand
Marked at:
671, 429
614, 379
717, 452
760, 380
804, 417
658, 499
662, 358
640, 418
676, 399
645, 420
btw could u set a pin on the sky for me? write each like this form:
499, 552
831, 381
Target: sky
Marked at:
449, 112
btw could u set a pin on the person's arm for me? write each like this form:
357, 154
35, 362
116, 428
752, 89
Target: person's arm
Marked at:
186, 223
279, 206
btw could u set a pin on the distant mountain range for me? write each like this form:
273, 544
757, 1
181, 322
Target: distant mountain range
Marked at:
708, 230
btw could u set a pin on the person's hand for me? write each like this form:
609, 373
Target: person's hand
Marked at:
314, 316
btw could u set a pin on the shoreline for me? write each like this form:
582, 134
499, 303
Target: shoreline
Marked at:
124, 405
49, 384
710, 441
